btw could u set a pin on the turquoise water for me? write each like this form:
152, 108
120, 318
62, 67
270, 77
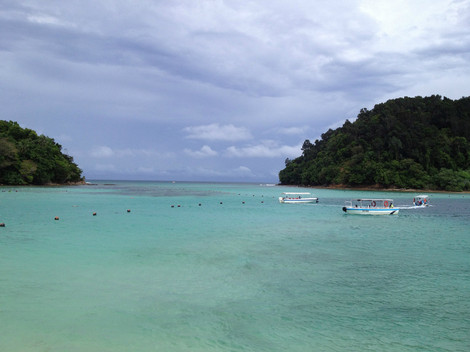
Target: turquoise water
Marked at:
226, 275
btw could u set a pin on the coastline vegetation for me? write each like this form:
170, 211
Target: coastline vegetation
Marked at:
29, 159
419, 143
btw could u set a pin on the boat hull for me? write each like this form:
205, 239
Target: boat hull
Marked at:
371, 211
415, 207
297, 201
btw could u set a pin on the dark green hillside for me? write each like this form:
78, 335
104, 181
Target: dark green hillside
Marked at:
26, 158
403, 143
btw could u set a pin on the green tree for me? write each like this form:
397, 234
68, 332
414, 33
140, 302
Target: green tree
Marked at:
26, 158
406, 142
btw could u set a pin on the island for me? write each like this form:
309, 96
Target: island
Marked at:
29, 159
404, 143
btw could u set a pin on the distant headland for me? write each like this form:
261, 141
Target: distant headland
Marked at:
29, 159
406, 143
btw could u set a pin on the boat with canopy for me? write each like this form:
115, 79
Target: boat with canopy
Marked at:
370, 207
297, 198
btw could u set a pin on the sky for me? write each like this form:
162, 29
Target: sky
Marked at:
217, 90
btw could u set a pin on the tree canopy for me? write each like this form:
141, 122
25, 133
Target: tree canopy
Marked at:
421, 143
26, 158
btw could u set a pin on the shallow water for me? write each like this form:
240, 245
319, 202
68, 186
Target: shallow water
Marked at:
228, 268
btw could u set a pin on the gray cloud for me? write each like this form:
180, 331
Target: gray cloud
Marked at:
132, 76
204, 152
215, 131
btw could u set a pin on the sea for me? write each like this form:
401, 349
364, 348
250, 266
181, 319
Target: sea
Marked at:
180, 266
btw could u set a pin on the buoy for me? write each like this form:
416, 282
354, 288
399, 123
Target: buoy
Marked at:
94, 214
128, 210
56, 218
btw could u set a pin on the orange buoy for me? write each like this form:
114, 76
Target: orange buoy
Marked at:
56, 218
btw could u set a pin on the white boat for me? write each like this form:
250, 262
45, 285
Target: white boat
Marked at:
297, 198
370, 207
421, 201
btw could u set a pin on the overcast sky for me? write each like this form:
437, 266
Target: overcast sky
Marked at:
217, 90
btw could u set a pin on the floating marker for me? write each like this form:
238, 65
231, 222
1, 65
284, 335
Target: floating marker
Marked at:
128, 210
56, 218
94, 214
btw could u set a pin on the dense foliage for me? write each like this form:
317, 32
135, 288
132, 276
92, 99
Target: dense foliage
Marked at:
403, 143
26, 158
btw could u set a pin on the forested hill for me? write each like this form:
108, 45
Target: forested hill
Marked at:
421, 143
26, 158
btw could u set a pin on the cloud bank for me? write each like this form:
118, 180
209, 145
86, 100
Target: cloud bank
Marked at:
163, 87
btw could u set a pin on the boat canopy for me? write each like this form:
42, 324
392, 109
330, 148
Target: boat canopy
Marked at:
295, 193
374, 199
